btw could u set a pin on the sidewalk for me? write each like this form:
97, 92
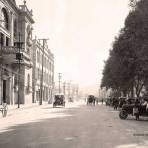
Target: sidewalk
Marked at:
24, 106
33, 113
12, 109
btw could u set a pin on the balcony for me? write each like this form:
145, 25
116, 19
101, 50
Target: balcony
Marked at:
8, 54
10, 50
11, 54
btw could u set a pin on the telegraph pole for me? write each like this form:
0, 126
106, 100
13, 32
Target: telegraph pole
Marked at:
60, 76
19, 74
42, 72
69, 85
77, 91
64, 87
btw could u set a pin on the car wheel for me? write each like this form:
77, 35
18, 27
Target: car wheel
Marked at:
123, 114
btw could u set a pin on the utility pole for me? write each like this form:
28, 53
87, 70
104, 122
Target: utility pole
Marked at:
64, 88
42, 72
60, 76
69, 86
77, 91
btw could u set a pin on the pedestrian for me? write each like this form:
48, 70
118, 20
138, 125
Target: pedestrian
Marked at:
97, 100
147, 107
116, 104
102, 101
94, 100
136, 109
144, 103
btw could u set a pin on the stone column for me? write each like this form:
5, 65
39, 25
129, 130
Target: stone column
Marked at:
0, 89
8, 90
4, 40
12, 30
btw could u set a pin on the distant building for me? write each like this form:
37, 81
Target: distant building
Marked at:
43, 71
15, 28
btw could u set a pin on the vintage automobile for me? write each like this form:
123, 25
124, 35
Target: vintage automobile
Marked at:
122, 101
91, 100
59, 100
130, 100
127, 109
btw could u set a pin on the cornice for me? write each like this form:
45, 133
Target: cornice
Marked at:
11, 4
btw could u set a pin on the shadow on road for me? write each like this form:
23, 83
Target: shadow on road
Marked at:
37, 133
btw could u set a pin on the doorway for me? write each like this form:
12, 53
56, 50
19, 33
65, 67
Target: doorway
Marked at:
4, 91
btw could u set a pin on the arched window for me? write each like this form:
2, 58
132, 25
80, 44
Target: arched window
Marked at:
5, 20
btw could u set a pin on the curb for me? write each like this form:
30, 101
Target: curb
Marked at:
25, 107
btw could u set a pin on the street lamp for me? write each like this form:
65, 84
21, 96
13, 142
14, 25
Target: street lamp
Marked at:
60, 76
19, 57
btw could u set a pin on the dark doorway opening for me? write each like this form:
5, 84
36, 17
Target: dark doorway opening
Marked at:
4, 91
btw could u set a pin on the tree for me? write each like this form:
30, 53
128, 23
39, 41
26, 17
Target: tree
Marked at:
127, 65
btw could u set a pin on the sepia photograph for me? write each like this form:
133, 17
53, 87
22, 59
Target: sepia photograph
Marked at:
73, 73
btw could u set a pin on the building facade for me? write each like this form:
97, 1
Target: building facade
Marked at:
15, 53
43, 72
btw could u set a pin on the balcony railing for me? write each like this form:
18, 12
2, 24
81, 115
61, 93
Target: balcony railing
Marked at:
10, 50
11, 54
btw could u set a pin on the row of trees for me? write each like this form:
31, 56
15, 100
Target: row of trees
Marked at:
127, 66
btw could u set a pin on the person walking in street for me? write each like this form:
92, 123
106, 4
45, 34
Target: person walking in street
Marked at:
97, 100
147, 107
102, 101
136, 109
145, 104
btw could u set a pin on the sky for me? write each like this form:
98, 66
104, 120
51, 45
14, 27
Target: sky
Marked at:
80, 32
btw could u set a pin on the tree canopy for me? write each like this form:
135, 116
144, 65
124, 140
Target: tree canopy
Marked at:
127, 65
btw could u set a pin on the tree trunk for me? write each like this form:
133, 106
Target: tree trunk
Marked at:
132, 92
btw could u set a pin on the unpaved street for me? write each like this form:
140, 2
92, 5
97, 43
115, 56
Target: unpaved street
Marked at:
76, 126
